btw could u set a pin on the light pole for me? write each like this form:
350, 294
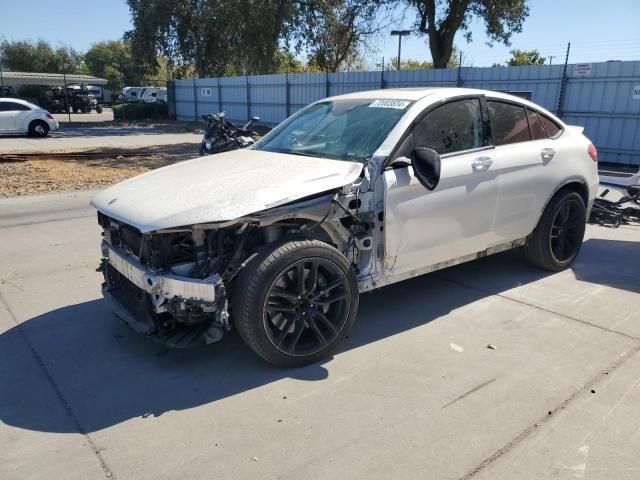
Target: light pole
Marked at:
400, 34
66, 93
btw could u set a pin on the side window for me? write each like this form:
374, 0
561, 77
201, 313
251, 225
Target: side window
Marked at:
4, 106
551, 127
509, 123
12, 107
535, 124
453, 127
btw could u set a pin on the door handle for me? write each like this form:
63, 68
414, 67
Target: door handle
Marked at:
482, 163
547, 154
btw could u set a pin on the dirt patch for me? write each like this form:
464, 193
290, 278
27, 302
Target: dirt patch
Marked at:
41, 174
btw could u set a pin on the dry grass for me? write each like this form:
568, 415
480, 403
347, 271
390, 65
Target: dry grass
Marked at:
55, 175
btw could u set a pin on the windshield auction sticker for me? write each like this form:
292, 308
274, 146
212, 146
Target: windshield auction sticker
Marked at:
397, 104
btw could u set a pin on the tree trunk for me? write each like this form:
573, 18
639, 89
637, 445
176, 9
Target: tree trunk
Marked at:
441, 46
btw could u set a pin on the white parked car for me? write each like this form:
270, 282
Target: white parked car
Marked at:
19, 116
349, 194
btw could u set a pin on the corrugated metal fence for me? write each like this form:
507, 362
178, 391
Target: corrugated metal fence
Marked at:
602, 97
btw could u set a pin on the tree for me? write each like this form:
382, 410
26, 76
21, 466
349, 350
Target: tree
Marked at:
227, 37
334, 31
525, 57
114, 61
440, 20
408, 64
216, 37
39, 56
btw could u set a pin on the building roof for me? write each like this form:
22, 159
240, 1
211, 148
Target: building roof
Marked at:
33, 78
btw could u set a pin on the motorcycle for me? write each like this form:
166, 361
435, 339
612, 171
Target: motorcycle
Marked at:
221, 135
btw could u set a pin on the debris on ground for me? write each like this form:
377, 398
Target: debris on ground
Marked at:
491, 346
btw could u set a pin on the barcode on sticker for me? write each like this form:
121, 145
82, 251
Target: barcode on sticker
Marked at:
398, 104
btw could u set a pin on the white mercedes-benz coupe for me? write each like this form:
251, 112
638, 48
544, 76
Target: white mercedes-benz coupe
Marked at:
20, 116
349, 194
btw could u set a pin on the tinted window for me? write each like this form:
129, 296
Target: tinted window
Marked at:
453, 127
551, 127
537, 130
509, 123
12, 107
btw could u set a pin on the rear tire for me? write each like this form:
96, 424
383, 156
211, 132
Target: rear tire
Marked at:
557, 239
38, 128
98, 109
294, 303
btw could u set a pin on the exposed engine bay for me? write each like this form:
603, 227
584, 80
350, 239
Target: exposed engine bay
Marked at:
175, 284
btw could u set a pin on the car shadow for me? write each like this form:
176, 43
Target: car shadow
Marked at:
109, 375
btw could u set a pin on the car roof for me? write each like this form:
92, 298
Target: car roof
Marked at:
18, 100
419, 93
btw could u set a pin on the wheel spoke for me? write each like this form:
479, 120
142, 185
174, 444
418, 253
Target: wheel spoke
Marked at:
297, 333
332, 299
279, 292
312, 279
285, 330
281, 308
560, 248
327, 288
317, 332
323, 318
300, 278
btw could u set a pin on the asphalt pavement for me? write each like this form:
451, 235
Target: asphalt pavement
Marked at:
488, 370
98, 136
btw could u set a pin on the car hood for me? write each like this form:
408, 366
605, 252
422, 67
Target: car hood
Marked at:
220, 187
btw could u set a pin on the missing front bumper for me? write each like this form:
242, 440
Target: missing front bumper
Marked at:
148, 294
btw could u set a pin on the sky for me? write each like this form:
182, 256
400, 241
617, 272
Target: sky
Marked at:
597, 30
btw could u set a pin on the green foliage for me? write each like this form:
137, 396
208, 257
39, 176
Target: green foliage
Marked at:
440, 20
334, 30
525, 57
408, 64
39, 56
140, 111
227, 37
113, 60
32, 93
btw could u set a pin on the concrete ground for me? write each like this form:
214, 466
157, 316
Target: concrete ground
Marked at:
413, 393
98, 136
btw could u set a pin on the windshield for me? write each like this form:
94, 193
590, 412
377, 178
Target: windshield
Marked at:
338, 129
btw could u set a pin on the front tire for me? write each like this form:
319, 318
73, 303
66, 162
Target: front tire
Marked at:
556, 241
294, 303
38, 128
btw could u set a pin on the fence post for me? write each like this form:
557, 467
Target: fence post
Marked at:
460, 70
195, 101
382, 75
327, 86
563, 83
248, 98
287, 94
219, 96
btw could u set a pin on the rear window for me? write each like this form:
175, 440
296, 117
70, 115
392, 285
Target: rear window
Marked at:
509, 123
535, 124
551, 127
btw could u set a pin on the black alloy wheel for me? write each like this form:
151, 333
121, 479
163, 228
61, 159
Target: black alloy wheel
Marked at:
567, 231
306, 307
293, 303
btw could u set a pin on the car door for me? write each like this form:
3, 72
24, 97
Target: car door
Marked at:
524, 159
424, 228
7, 117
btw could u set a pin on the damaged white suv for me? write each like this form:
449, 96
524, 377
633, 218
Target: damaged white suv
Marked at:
349, 194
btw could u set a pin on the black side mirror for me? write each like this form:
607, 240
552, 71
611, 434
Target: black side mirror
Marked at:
426, 166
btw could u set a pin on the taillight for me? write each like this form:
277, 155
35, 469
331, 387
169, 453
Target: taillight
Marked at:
593, 153
48, 115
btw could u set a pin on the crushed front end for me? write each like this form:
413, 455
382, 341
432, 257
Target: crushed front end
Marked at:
165, 284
